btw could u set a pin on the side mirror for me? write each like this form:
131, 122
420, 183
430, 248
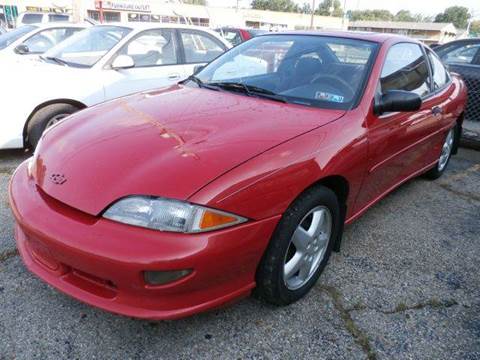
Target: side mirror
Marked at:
397, 100
197, 69
123, 62
21, 49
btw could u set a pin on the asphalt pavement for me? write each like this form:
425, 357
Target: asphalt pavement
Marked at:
405, 285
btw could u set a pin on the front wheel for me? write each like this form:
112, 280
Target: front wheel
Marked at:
300, 247
46, 117
445, 155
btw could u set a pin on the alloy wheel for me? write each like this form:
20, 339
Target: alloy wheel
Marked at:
307, 247
446, 151
55, 119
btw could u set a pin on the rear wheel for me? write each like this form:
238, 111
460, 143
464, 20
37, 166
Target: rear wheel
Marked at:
46, 117
445, 155
300, 247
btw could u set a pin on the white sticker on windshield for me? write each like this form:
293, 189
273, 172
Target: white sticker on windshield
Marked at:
325, 96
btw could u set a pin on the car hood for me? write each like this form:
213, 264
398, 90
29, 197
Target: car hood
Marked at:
170, 142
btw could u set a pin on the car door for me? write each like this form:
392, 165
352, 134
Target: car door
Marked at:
464, 59
400, 142
154, 54
198, 48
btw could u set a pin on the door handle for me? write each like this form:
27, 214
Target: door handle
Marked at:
437, 110
174, 76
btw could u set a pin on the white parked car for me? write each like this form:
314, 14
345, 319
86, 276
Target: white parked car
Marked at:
98, 64
33, 40
41, 18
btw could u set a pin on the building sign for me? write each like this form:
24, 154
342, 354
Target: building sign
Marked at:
123, 6
45, 9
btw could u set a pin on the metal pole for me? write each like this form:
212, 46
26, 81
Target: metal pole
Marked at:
313, 14
100, 3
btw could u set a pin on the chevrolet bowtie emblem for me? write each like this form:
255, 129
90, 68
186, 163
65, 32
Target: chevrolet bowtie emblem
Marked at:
58, 179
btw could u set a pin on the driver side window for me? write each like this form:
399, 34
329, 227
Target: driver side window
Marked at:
152, 48
405, 68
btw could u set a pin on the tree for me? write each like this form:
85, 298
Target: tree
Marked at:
475, 28
458, 15
370, 15
275, 5
330, 8
306, 8
404, 15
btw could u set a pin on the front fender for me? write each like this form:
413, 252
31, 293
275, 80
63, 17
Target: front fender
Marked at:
266, 185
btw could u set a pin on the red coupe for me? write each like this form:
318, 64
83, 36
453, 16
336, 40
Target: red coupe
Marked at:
171, 202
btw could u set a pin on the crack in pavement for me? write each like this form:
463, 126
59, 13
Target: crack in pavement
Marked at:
4, 256
432, 303
357, 333
359, 336
446, 183
466, 196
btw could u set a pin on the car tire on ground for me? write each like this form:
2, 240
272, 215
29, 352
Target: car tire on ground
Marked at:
316, 214
445, 155
46, 117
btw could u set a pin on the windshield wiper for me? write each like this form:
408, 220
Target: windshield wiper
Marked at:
55, 59
250, 90
199, 82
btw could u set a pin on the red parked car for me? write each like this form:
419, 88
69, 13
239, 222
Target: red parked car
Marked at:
171, 202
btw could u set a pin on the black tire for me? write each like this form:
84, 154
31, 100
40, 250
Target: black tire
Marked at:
271, 286
38, 122
434, 173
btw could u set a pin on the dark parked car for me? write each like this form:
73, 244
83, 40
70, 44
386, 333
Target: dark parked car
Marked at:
236, 35
463, 57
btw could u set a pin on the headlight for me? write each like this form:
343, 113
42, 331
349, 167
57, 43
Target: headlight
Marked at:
169, 215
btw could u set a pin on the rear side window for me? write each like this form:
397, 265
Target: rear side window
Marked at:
57, 17
440, 75
460, 55
232, 36
405, 68
32, 18
200, 47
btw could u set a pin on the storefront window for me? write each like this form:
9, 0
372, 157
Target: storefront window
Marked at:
108, 16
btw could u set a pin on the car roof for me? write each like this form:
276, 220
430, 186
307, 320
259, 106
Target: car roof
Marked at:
141, 26
150, 25
462, 41
60, 24
358, 35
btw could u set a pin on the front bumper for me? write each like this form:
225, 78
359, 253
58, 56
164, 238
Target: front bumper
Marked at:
101, 262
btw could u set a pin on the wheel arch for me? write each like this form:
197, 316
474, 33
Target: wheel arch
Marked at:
72, 102
341, 187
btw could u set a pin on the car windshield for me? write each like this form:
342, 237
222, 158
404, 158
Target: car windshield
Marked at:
12, 36
322, 71
87, 47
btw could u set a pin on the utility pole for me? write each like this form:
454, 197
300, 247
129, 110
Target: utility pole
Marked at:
78, 10
313, 15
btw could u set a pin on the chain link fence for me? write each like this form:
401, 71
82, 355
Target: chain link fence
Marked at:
471, 75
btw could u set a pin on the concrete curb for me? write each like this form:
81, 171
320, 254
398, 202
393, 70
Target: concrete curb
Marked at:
470, 135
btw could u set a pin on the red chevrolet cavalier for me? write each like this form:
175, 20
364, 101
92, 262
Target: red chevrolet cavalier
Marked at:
171, 202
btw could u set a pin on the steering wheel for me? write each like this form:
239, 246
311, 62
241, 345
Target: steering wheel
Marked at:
334, 81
